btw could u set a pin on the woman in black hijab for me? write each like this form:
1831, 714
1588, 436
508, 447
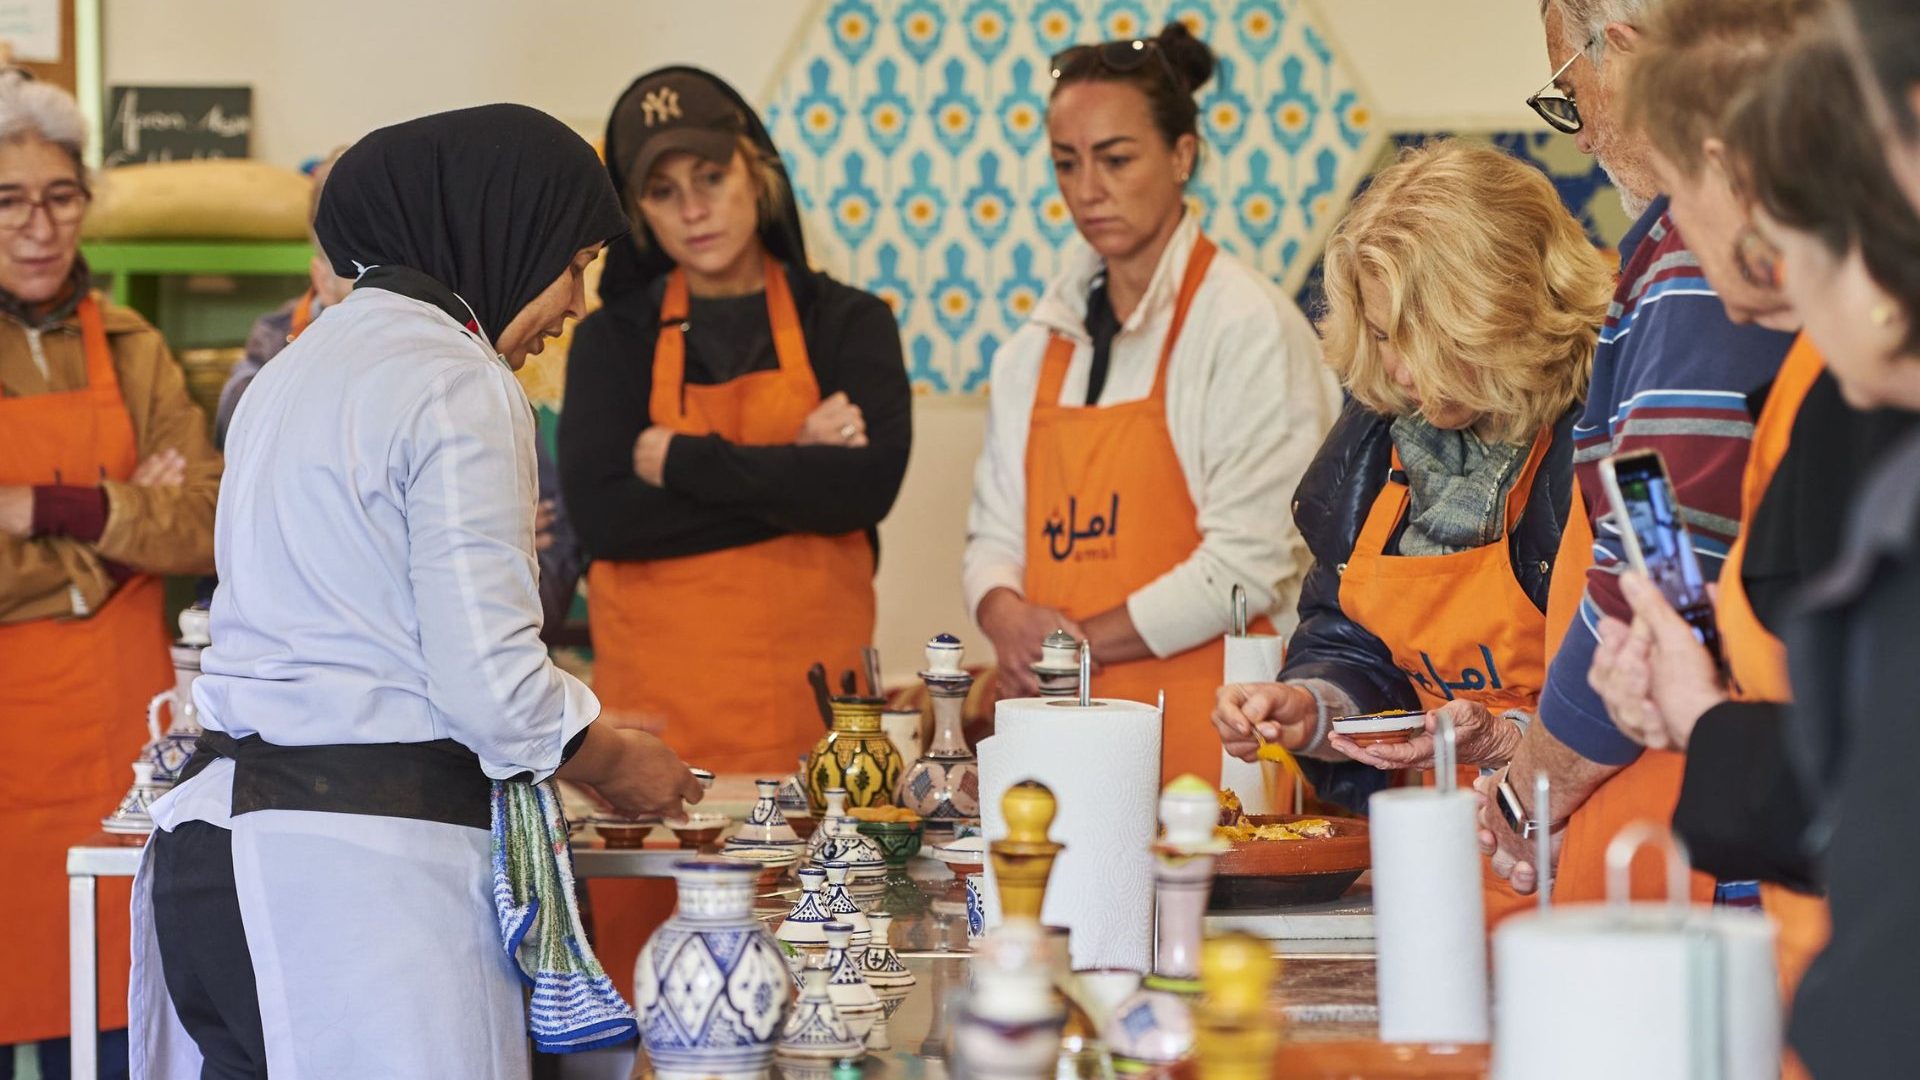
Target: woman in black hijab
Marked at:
322, 885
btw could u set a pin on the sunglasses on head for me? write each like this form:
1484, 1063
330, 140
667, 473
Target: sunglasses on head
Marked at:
1555, 106
1120, 57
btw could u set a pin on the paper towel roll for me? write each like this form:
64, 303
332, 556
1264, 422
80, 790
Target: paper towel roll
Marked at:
1428, 921
1263, 786
1103, 764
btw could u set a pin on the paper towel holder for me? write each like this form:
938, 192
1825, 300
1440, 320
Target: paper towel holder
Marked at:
1446, 750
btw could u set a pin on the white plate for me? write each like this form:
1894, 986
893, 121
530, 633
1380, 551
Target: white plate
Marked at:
1370, 725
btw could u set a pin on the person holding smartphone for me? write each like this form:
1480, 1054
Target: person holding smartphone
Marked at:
1463, 310
1758, 768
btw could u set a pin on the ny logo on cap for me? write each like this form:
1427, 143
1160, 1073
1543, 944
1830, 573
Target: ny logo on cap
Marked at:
660, 106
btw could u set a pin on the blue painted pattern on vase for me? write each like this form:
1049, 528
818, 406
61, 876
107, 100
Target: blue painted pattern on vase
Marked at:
711, 985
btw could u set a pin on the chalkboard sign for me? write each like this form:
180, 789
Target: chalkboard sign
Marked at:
177, 123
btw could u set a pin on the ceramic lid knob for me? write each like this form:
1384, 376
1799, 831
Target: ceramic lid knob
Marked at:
811, 879
838, 934
1189, 809
1029, 807
1059, 651
944, 654
1237, 971
195, 623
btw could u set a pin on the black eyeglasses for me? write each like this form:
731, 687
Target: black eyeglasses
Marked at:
1555, 106
65, 202
1120, 57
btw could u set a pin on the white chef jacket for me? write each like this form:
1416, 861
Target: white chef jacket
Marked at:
1248, 404
374, 540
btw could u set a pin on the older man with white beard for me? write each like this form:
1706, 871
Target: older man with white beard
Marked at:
1673, 373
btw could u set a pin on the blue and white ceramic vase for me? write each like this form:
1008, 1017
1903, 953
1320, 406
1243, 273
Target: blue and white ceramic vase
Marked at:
766, 826
711, 986
943, 787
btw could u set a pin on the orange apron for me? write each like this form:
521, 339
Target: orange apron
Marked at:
73, 699
1459, 625
1646, 790
719, 644
302, 316
1757, 659
1091, 469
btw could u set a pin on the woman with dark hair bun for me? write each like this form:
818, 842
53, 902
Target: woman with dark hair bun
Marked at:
1150, 421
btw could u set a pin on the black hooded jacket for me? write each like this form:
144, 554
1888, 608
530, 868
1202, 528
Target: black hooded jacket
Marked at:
719, 494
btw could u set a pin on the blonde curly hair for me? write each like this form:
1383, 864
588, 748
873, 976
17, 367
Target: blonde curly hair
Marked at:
1497, 294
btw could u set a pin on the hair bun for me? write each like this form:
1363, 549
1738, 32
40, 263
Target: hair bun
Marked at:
1189, 55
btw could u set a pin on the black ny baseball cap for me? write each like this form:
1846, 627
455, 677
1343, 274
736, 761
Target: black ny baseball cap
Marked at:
673, 111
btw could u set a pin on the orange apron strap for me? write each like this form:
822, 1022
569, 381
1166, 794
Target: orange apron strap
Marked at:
302, 316
101, 379
664, 405
789, 343
1053, 370
1197, 262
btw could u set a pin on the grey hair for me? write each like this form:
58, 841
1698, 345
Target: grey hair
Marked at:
30, 108
1584, 22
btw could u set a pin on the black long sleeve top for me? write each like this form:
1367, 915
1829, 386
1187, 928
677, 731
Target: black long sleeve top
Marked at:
719, 494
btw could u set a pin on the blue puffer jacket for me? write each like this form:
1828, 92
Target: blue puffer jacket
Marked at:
1330, 506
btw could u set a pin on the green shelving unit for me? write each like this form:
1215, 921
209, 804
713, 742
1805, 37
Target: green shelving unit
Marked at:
140, 268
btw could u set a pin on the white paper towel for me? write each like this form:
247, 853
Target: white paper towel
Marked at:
1103, 764
1263, 786
1428, 921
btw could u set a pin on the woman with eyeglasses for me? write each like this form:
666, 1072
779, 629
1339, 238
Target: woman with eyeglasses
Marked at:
1149, 423
1806, 795
107, 481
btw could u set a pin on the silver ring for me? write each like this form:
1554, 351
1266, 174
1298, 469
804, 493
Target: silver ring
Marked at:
847, 431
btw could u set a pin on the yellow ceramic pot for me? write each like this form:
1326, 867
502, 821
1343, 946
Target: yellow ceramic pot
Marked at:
855, 755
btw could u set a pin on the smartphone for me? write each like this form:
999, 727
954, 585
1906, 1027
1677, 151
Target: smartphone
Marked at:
1657, 544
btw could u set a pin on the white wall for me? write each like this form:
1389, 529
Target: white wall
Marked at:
325, 73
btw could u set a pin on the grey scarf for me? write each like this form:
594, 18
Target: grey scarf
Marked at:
1458, 486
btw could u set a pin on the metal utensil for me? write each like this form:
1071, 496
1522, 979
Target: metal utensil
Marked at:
1239, 611
822, 693
1446, 778
1543, 837
871, 657
1086, 674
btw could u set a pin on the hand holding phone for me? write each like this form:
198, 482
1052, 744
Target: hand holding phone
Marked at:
1656, 540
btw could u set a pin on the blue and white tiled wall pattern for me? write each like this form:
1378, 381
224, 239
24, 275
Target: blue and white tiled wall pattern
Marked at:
914, 130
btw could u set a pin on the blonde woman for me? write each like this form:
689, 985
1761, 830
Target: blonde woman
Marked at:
1463, 307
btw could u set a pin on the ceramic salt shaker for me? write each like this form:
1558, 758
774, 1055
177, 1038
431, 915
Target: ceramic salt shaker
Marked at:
805, 925
1153, 1027
847, 985
943, 787
766, 825
881, 965
814, 1029
1058, 672
836, 800
839, 904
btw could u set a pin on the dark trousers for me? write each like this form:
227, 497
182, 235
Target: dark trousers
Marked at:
55, 1057
203, 947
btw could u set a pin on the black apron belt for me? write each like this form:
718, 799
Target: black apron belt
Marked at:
428, 781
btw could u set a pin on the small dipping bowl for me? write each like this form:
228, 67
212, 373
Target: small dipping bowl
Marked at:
898, 840
803, 825
705, 776
696, 831
964, 856
774, 863
623, 835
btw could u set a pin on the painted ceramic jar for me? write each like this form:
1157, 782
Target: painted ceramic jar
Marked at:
943, 787
856, 755
766, 825
711, 986
815, 1030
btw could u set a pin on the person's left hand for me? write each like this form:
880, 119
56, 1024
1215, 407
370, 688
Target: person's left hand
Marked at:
1655, 677
650, 455
16, 510
1480, 738
163, 468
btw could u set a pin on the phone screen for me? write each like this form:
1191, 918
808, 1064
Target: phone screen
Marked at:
1649, 509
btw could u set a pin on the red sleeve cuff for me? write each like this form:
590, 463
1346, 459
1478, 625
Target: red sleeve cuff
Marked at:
66, 510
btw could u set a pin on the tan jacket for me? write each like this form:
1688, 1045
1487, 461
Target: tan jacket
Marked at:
160, 530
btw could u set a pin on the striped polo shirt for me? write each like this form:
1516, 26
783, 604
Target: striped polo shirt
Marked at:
1671, 374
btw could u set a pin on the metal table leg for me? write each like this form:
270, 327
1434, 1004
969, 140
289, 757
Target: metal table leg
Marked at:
83, 977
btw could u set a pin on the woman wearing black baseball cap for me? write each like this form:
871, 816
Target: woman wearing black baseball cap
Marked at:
735, 426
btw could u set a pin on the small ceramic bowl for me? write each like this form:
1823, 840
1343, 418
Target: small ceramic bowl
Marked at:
1391, 728
898, 840
705, 776
773, 863
964, 856
803, 825
622, 835
698, 830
